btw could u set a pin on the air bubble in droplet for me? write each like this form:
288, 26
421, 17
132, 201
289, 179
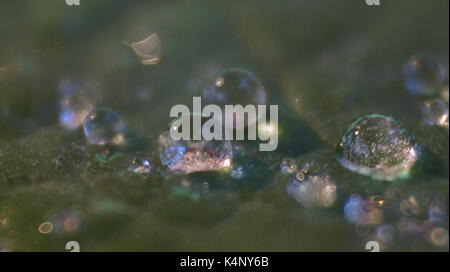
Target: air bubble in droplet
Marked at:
104, 126
423, 75
378, 146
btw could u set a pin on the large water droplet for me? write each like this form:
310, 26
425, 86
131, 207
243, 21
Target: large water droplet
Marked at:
379, 147
104, 126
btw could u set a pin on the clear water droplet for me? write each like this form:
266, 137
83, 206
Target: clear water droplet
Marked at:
379, 147
104, 126
423, 75
235, 87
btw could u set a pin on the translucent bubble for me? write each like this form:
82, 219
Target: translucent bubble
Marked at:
74, 109
288, 166
313, 191
189, 156
423, 75
104, 126
235, 87
140, 166
435, 112
360, 211
379, 147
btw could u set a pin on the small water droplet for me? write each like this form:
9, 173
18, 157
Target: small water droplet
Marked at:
104, 126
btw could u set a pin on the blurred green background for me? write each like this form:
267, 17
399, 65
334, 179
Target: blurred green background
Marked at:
324, 62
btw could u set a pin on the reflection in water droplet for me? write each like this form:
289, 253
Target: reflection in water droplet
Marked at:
104, 126
362, 212
314, 191
288, 166
235, 87
435, 112
379, 147
423, 75
147, 50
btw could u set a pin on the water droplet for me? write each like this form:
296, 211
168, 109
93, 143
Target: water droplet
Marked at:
288, 166
140, 166
74, 109
104, 126
360, 211
423, 75
189, 156
313, 191
235, 87
435, 112
379, 147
